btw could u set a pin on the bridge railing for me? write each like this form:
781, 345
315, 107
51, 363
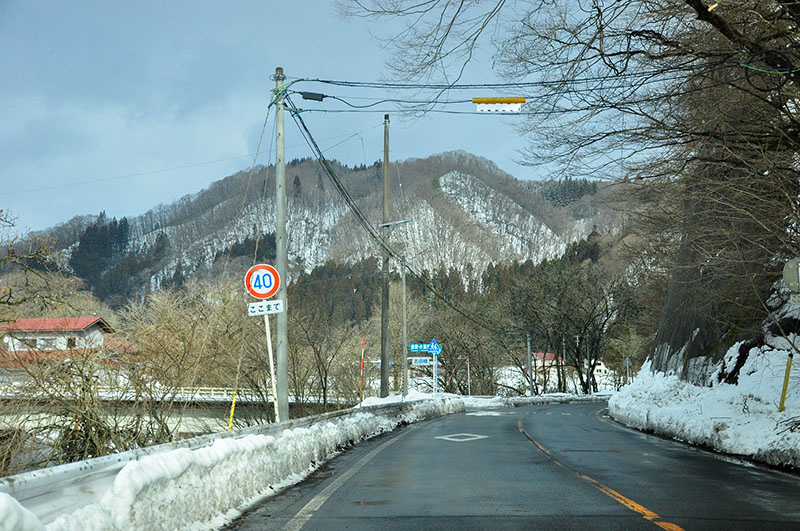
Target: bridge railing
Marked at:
195, 393
61, 489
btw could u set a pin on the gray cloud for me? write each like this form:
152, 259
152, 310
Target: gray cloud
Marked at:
105, 99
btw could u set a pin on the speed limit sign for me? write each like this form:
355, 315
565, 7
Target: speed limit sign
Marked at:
262, 281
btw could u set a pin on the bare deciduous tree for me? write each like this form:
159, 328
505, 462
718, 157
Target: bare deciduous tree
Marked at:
696, 100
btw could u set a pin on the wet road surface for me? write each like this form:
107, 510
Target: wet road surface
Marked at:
560, 466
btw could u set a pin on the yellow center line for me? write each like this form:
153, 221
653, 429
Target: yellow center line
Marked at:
611, 493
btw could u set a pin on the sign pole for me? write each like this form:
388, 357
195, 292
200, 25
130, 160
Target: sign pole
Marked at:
272, 370
262, 281
361, 381
435, 374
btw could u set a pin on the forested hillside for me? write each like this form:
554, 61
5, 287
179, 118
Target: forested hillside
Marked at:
465, 215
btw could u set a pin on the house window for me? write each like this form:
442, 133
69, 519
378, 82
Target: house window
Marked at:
70, 342
46, 344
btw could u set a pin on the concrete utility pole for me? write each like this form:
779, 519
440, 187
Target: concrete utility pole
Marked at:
405, 331
588, 366
282, 332
385, 266
530, 364
469, 381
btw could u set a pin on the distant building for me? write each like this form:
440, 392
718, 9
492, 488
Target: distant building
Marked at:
55, 334
545, 361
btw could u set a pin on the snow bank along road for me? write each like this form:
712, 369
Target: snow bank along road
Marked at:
565, 466
196, 483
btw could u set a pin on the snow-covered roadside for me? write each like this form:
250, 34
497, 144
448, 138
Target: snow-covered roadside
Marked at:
477, 402
741, 419
206, 487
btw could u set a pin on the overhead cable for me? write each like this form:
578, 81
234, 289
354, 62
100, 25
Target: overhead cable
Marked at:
371, 229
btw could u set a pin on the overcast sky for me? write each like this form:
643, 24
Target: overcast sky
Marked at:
120, 106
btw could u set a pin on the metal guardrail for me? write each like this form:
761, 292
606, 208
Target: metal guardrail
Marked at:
185, 393
53, 491
211, 392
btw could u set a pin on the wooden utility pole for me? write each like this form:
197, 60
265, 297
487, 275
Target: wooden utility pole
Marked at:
385, 266
282, 332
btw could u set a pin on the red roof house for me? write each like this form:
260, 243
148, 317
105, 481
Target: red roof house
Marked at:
45, 339
545, 356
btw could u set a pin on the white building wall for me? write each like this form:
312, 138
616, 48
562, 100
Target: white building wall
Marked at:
91, 338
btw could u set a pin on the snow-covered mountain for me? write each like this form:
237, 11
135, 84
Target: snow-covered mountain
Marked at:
464, 213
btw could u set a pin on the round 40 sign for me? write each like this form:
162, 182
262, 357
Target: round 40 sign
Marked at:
262, 281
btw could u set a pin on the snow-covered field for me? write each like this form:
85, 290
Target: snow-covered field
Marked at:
738, 419
206, 487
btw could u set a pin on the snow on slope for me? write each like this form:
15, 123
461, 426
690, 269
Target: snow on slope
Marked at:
206, 487
738, 419
309, 229
480, 226
428, 240
517, 233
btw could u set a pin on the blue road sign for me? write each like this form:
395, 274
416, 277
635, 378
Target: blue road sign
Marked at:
434, 347
418, 347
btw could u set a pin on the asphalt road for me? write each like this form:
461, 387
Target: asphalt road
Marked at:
539, 467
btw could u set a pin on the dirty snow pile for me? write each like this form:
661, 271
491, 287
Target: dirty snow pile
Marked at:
412, 395
475, 402
206, 487
739, 419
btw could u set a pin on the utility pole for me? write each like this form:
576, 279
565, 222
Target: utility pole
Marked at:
405, 331
282, 332
385, 266
562, 384
530, 364
588, 366
469, 382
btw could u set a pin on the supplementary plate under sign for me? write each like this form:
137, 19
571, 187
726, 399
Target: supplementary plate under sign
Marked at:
264, 307
421, 361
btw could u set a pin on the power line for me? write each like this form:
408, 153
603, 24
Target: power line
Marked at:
125, 176
594, 108
338, 185
517, 84
442, 111
368, 226
430, 105
395, 100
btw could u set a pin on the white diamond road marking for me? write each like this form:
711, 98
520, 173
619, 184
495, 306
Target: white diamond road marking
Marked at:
462, 437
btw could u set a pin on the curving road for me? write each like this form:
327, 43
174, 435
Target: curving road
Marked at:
565, 466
